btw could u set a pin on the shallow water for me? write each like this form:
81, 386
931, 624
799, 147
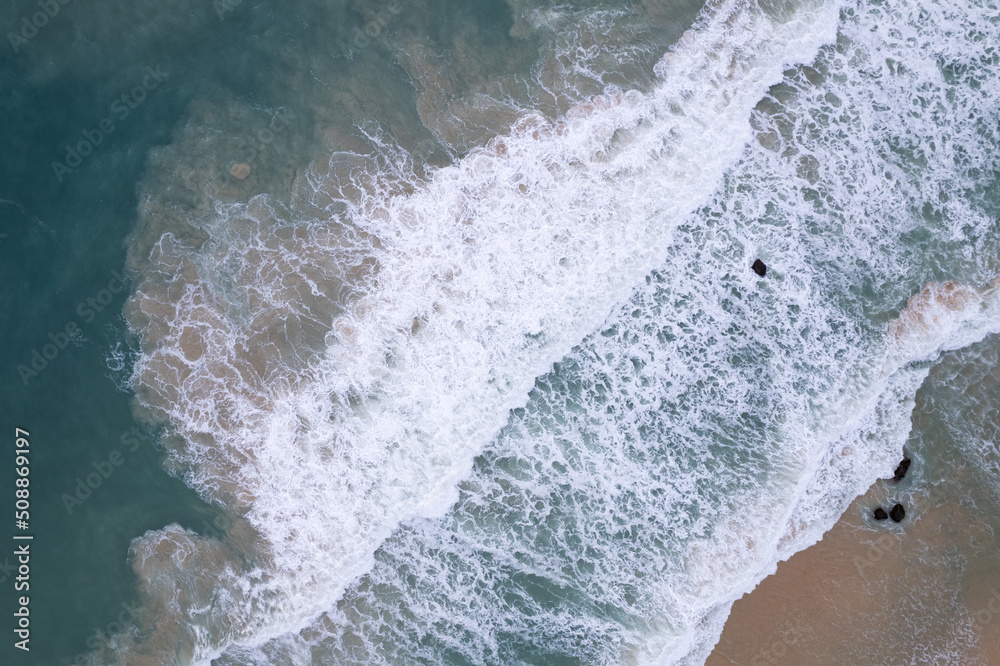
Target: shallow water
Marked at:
452, 323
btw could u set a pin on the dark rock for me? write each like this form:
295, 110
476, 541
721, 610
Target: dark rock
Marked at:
900, 472
880, 514
759, 268
897, 513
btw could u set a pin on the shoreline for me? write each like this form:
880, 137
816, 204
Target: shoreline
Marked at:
874, 592
874, 596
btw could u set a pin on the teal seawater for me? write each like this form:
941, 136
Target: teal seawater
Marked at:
62, 242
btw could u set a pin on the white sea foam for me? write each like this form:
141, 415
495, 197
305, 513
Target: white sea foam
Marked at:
714, 424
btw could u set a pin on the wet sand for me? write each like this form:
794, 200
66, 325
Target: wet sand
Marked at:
862, 596
923, 591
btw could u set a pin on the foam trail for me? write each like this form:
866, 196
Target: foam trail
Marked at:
484, 276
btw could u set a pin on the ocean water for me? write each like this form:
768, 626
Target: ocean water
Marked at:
430, 334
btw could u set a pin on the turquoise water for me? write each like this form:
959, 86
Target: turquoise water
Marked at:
62, 244
438, 341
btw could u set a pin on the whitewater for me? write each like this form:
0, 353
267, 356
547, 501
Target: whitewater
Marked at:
533, 405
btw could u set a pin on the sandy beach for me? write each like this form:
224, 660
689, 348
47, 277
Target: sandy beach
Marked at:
923, 591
